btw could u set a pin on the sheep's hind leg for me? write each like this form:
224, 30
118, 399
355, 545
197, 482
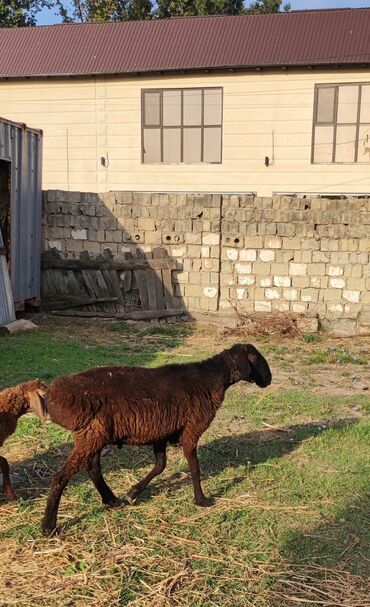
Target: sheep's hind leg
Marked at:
190, 452
160, 464
77, 460
7, 485
95, 473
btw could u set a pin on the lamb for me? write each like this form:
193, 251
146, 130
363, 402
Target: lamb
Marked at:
14, 402
142, 406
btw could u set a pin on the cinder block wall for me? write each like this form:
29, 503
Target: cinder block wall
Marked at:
309, 256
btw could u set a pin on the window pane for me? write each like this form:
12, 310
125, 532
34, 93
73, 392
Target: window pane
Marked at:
323, 144
347, 104
192, 145
345, 146
213, 106
171, 145
193, 107
172, 108
152, 109
152, 145
212, 145
364, 143
325, 104
365, 104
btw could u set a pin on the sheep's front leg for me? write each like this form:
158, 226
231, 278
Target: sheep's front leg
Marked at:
160, 464
76, 462
95, 473
7, 485
190, 452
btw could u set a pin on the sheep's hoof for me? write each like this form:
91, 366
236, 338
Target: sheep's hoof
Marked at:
131, 498
204, 502
10, 496
50, 531
115, 502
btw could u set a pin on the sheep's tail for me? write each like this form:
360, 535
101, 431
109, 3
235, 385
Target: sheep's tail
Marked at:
37, 403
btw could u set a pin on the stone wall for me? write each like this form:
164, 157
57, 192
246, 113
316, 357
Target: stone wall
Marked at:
308, 256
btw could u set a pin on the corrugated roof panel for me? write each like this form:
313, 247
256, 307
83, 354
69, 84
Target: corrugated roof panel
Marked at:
323, 37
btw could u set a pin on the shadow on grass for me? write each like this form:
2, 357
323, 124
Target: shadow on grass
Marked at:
329, 563
45, 355
249, 450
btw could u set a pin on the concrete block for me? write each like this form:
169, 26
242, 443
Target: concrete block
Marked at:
232, 254
344, 327
353, 296
300, 282
266, 255
337, 283
299, 307
273, 242
297, 269
290, 294
248, 255
211, 239
261, 269
266, 281
272, 294
79, 234
282, 281
262, 306
246, 280
243, 268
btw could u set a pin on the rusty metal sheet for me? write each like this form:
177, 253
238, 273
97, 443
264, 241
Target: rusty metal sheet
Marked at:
297, 38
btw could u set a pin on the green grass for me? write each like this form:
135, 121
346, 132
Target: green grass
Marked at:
339, 356
288, 469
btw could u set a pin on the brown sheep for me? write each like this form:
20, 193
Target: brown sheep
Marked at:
141, 406
15, 402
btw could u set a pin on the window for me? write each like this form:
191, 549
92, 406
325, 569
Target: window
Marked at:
341, 130
182, 125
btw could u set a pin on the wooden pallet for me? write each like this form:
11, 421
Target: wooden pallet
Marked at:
138, 286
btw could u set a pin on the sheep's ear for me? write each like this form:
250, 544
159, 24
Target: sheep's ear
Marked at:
241, 365
252, 354
37, 403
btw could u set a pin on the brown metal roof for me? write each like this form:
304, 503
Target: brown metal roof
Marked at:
298, 38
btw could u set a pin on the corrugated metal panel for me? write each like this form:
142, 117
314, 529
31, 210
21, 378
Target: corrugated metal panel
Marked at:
324, 37
7, 313
22, 147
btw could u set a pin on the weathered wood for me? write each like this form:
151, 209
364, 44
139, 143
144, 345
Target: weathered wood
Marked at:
151, 280
136, 315
159, 253
95, 283
166, 278
76, 302
113, 285
74, 285
55, 263
3, 251
141, 279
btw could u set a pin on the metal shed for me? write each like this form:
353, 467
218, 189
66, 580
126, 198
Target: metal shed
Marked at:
20, 208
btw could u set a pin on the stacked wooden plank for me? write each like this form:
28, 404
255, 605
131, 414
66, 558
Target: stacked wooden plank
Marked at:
138, 286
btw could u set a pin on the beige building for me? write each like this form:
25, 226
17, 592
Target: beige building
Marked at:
168, 109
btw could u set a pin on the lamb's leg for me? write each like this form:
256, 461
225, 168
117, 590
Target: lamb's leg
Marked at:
190, 452
77, 460
95, 473
160, 464
7, 485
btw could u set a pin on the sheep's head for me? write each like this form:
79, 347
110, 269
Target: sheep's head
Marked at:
33, 393
248, 364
